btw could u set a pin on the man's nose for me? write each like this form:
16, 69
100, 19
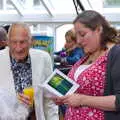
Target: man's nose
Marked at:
18, 47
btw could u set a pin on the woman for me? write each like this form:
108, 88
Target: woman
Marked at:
98, 97
72, 52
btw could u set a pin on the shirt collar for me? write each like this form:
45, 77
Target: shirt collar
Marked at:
15, 63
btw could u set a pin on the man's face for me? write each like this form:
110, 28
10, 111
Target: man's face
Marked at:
19, 43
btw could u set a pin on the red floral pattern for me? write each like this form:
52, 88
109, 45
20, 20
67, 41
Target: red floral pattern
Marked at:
91, 82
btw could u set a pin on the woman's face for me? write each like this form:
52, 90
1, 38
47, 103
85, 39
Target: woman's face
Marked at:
87, 38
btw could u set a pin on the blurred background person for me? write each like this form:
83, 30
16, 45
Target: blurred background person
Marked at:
3, 38
98, 97
71, 52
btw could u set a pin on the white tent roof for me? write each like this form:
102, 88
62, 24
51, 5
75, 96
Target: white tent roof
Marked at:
54, 11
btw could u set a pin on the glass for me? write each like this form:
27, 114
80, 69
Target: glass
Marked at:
29, 92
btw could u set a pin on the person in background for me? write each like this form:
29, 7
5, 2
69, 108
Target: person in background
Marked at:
98, 97
22, 67
71, 51
3, 38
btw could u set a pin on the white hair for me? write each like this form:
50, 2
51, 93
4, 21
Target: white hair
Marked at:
20, 24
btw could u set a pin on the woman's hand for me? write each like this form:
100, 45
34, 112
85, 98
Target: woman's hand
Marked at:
74, 100
106, 103
57, 100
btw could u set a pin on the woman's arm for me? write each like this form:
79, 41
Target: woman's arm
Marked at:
106, 103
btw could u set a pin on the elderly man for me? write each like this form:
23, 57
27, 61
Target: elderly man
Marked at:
3, 38
22, 67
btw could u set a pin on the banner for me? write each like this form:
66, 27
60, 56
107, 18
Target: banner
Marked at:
45, 43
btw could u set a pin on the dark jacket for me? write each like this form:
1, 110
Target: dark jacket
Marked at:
112, 86
70, 59
75, 55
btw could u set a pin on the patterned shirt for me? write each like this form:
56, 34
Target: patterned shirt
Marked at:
22, 74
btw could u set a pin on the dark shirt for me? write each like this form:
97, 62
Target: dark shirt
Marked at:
70, 59
22, 74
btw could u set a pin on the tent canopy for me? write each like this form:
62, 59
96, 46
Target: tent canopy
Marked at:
54, 11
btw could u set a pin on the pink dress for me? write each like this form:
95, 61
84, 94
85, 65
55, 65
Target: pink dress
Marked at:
92, 81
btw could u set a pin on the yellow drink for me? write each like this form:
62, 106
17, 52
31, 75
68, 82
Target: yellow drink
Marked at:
29, 92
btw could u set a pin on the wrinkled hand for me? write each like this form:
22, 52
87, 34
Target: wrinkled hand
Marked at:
24, 99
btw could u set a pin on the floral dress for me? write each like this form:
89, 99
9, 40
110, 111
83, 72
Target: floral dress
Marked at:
91, 81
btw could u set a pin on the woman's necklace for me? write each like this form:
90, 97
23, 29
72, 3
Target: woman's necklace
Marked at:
93, 57
90, 62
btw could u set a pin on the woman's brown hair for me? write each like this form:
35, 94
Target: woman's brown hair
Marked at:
92, 19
